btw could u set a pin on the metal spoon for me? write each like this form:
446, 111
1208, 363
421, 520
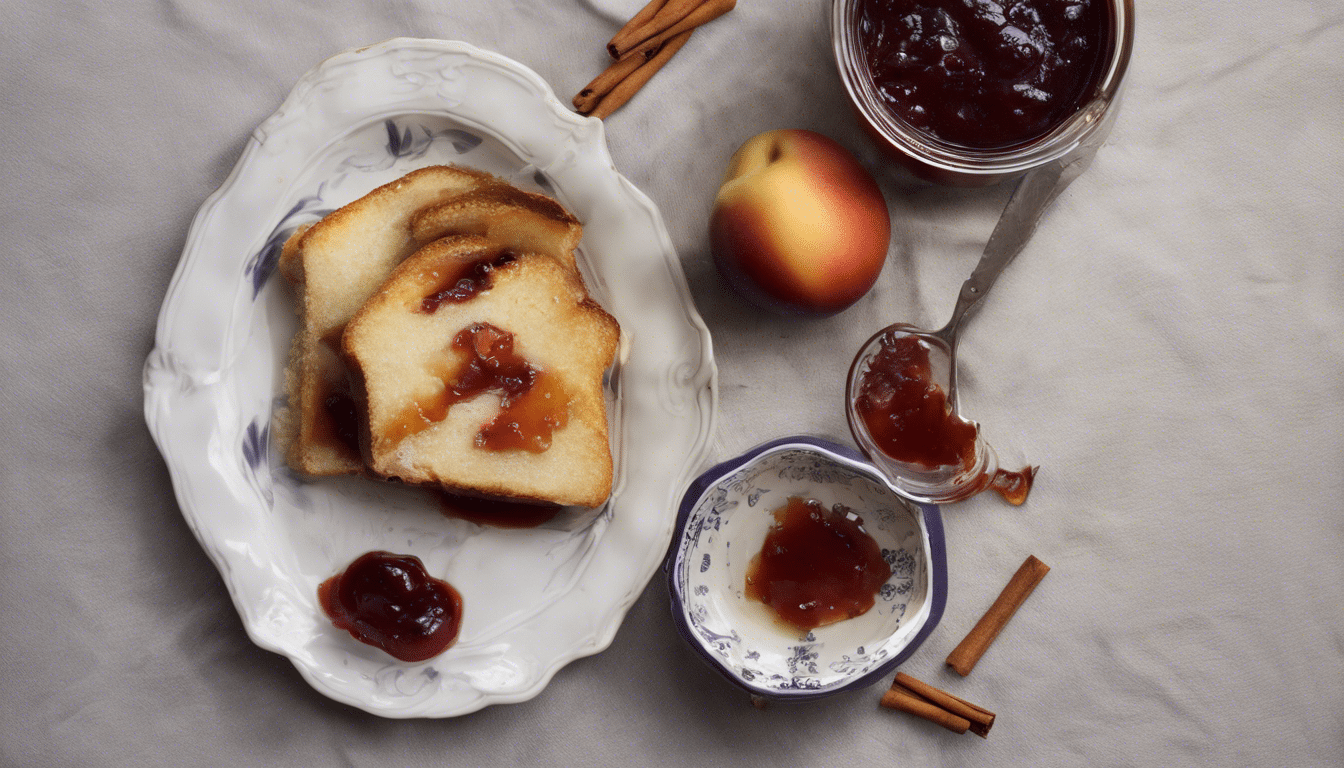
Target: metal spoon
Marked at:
946, 483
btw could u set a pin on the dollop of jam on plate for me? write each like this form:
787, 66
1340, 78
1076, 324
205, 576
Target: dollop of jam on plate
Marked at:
390, 602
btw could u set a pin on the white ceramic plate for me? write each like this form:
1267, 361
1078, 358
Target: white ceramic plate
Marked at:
535, 599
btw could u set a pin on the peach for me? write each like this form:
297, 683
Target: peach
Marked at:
798, 226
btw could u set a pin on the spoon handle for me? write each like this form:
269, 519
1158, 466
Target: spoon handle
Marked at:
1033, 194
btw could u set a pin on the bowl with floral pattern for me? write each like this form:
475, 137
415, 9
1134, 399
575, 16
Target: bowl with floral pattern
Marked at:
723, 521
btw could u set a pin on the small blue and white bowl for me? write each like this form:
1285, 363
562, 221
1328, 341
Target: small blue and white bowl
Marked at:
722, 524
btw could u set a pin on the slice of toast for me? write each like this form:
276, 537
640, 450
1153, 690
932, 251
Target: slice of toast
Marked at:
335, 265
420, 362
522, 220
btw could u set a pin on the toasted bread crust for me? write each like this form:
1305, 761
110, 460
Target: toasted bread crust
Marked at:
337, 263
505, 214
291, 265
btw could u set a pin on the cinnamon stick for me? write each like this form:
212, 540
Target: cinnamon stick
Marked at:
980, 719
646, 24
628, 87
1019, 588
586, 100
644, 16
904, 700
705, 12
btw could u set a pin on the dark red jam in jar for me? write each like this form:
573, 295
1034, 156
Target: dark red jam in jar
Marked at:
985, 74
817, 566
390, 602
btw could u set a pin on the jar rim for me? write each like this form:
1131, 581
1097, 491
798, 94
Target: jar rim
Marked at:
971, 162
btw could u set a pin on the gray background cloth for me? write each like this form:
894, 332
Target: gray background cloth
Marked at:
1170, 350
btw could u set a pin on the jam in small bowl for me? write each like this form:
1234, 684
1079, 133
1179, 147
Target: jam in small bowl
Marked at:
973, 93
739, 536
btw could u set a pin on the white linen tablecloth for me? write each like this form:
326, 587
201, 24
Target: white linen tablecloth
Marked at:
1169, 349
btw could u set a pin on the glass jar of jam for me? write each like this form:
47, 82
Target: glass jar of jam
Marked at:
974, 92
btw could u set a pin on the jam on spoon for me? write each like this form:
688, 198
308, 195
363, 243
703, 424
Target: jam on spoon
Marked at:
906, 413
942, 483
911, 421
390, 602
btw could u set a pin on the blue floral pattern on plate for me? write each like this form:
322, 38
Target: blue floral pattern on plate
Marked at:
358, 120
407, 140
